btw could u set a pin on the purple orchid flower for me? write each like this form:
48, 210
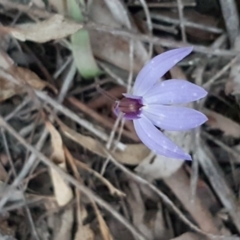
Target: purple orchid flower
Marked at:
150, 104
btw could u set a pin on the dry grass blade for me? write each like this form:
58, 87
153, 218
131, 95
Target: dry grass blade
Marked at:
111, 188
102, 224
83, 230
56, 27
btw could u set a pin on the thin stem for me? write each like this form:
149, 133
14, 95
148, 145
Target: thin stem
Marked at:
105, 93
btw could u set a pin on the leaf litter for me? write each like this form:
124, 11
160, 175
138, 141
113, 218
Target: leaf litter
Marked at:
181, 200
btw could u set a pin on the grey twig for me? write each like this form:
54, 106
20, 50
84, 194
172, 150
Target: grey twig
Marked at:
230, 14
17, 109
189, 3
226, 148
67, 82
208, 84
118, 79
161, 17
149, 23
181, 18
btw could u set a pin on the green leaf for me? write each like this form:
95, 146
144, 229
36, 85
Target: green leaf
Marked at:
80, 44
82, 54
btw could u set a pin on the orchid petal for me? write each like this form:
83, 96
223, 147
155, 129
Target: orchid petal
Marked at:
157, 67
157, 141
173, 118
174, 91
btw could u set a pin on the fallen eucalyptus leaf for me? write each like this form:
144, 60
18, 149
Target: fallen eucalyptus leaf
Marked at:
218, 121
62, 190
54, 28
132, 155
23, 76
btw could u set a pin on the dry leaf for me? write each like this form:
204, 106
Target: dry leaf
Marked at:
21, 75
17, 195
62, 190
67, 221
54, 28
5, 61
3, 173
7, 231
102, 224
38, 3
114, 49
218, 121
58, 5
84, 232
132, 155
138, 209
158, 167
189, 236
229, 86
179, 183
61, 223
